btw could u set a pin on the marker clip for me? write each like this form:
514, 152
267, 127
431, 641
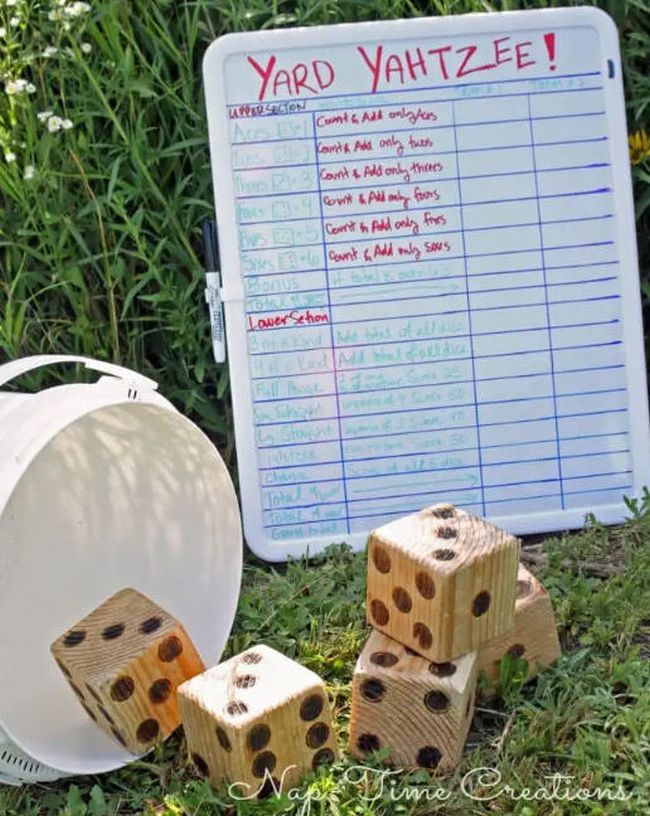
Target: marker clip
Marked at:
213, 290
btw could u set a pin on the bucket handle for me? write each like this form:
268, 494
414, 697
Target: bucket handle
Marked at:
9, 371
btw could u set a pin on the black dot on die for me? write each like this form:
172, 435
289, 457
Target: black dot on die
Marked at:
160, 690
373, 690
311, 707
446, 532
425, 585
258, 737
224, 740
422, 634
517, 650
74, 638
170, 649
379, 612
252, 658
246, 681
436, 701
481, 604
381, 559
151, 625
323, 757
113, 631
266, 761
122, 689
444, 555
384, 659
367, 743
118, 737
235, 708
429, 757
442, 669
317, 735
444, 512
201, 765
402, 599
148, 730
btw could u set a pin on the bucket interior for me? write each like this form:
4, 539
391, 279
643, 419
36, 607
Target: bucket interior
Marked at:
130, 495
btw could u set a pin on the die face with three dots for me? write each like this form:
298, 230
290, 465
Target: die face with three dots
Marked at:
257, 721
420, 710
441, 581
124, 662
533, 638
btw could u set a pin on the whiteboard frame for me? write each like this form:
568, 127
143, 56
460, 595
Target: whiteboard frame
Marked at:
233, 293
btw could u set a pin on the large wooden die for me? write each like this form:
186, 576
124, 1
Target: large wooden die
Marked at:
441, 581
421, 711
259, 721
124, 661
533, 638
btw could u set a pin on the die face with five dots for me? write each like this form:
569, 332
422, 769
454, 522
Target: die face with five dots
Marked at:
257, 722
534, 637
124, 662
441, 581
417, 709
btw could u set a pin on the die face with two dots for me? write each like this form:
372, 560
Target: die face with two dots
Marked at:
124, 661
534, 636
420, 710
259, 721
441, 581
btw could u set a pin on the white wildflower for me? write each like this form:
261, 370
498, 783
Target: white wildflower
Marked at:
10, 157
49, 51
15, 86
54, 123
44, 115
14, 22
11, 3
86, 47
3, 31
29, 172
76, 9
30, 88
66, 124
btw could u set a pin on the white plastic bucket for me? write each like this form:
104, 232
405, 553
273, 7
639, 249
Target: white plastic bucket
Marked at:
102, 486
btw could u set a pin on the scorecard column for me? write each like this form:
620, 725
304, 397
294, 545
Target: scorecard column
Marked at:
517, 407
288, 320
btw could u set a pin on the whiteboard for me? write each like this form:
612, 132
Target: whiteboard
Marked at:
429, 273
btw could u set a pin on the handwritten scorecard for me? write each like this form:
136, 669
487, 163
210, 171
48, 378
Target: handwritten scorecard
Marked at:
429, 273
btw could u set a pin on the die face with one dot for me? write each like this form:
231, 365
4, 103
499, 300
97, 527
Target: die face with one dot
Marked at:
124, 661
420, 710
256, 721
441, 581
533, 638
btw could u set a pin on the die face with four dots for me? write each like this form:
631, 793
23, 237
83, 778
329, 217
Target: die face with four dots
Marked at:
124, 662
420, 710
533, 638
256, 721
441, 581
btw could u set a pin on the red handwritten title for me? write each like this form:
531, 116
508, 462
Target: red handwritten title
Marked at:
388, 69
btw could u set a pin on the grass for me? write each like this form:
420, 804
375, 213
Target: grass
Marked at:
587, 718
101, 256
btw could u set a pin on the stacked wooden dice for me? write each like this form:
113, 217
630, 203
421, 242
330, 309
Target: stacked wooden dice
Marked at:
447, 599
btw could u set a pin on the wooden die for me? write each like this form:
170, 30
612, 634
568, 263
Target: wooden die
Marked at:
259, 721
419, 710
441, 581
124, 662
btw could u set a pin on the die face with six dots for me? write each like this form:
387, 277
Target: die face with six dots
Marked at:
534, 637
257, 721
441, 581
124, 662
419, 710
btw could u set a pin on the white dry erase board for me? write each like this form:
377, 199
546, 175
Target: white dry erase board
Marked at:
429, 273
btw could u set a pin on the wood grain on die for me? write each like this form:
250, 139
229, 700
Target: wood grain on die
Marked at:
421, 711
534, 636
441, 581
124, 661
258, 716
